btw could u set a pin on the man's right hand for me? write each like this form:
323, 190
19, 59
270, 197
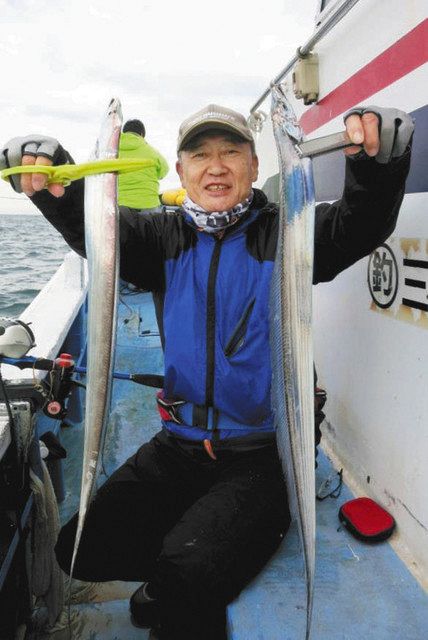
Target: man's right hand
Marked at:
33, 149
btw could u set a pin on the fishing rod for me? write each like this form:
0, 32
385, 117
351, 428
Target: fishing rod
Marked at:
17, 338
65, 361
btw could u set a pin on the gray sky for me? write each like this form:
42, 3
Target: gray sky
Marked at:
61, 62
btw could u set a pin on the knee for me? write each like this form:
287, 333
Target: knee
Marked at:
186, 572
64, 553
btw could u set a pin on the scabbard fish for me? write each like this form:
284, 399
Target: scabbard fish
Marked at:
291, 331
102, 250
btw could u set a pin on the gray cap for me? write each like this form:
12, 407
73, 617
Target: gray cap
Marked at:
213, 117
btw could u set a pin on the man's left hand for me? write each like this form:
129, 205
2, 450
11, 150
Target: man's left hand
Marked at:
384, 133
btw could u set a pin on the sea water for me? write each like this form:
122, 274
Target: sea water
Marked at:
31, 250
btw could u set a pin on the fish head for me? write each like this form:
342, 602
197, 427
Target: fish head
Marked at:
283, 114
108, 139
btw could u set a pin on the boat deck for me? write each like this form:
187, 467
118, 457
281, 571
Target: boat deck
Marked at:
361, 590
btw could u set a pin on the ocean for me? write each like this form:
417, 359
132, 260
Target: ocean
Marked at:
31, 250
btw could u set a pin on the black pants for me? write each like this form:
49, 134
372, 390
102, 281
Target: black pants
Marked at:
199, 530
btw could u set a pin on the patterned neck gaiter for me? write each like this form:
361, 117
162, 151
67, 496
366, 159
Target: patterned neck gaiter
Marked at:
215, 221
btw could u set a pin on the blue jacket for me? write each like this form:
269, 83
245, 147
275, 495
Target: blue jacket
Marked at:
216, 330
212, 295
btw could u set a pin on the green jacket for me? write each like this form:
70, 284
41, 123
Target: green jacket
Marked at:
140, 189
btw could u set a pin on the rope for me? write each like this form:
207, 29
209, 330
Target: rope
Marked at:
66, 173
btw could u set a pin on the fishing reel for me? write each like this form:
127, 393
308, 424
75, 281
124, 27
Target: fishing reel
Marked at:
16, 338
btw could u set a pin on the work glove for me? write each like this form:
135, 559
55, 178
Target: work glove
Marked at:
32, 145
395, 130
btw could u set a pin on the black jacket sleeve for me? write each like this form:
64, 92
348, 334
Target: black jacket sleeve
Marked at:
363, 218
141, 236
65, 214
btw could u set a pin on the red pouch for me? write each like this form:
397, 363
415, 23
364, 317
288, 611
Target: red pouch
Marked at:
366, 520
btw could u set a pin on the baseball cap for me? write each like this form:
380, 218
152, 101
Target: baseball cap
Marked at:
213, 117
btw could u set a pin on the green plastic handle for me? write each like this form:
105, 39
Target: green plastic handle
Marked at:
66, 173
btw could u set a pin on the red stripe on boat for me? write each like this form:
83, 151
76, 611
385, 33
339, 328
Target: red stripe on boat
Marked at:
405, 55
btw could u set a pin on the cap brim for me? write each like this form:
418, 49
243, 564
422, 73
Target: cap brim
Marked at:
213, 124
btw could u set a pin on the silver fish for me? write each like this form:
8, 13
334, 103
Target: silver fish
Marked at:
102, 249
291, 331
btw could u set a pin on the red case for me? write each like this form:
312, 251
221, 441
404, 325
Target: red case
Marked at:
366, 520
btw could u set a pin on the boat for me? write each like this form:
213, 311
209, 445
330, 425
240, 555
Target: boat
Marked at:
371, 347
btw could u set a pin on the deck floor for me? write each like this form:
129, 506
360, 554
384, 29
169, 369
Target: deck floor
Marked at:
361, 591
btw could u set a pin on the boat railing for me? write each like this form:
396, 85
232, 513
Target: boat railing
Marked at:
338, 12
52, 313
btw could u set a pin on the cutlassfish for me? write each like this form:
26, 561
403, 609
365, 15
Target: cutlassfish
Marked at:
291, 331
102, 250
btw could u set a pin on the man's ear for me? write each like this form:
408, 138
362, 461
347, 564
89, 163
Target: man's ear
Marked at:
179, 169
254, 168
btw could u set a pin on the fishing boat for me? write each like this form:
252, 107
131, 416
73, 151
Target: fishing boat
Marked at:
371, 346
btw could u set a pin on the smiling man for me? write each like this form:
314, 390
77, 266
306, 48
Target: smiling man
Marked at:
198, 510
217, 163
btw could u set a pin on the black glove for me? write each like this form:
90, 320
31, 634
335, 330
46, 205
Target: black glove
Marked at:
395, 130
33, 145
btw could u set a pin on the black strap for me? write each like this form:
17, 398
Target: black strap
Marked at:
323, 492
200, 416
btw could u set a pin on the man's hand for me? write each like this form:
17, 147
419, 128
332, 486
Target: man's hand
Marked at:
28, 150
384, 133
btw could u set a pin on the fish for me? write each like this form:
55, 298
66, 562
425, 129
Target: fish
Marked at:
102, 252
290, 319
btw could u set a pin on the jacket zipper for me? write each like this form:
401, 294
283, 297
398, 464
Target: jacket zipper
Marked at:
212, 277
237, 338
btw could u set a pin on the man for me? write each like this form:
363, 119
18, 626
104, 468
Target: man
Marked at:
198, 511
140, 189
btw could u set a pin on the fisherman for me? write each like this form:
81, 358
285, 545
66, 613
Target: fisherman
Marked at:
140, 189
198, 511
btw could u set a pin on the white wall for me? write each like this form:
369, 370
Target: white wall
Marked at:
373, 363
